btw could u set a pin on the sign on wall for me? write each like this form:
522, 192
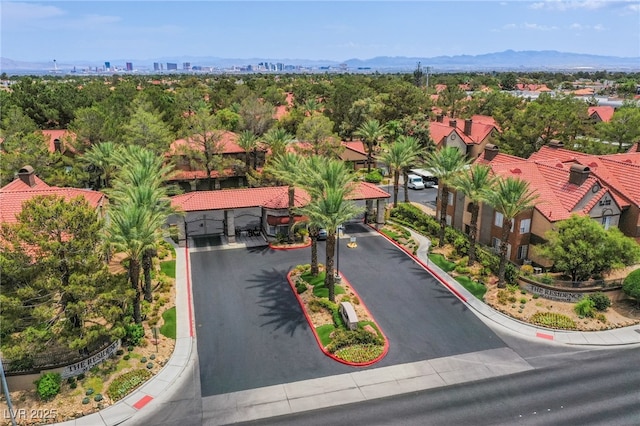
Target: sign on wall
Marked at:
85, 365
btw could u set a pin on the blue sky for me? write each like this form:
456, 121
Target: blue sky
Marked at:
130, 30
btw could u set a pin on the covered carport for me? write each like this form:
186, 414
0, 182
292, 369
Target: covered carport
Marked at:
225, 214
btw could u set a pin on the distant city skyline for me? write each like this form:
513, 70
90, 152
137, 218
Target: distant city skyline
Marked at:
315, 30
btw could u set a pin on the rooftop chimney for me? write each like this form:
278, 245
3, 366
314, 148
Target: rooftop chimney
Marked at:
467, 126
440, 118
490, 151
453, 123
578, 174
57, 145
27, 175
554, 143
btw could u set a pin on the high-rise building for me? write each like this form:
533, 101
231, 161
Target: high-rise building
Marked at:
172, 66
156, 66
129, 66
186, 66
107, 66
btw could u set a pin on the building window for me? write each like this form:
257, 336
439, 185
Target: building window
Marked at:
525, 226
467, 229
450, 199
606, 221
498, 220
495, 244
523, 251
448, 220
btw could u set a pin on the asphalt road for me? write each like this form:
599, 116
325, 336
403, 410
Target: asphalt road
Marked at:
251, 331
601, 389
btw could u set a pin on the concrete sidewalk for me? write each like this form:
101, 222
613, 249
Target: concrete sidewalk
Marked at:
619, 336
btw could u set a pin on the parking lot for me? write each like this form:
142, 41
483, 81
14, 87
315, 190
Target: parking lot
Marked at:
251, 331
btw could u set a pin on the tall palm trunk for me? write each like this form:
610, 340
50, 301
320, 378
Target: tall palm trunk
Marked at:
147, 266
134, 279
444, 200
369, 158
473, 232
313, 234
329, 275
396, 187
506, 230
405, 177
291, 193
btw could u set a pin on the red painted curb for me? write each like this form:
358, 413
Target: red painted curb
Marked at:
142, 402
425, 266
272, 247
315, 333
544, 336
188, 271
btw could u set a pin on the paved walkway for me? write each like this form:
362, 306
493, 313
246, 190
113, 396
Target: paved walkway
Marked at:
358, 386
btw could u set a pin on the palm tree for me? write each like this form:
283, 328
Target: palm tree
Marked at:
248, 142
331, 210
474, 186
140, 185
133, 230
277, 140
286, 169
510, 197
372, 133
102, 158
401, 155
445, 163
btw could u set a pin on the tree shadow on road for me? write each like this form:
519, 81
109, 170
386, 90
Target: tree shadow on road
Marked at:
277, 299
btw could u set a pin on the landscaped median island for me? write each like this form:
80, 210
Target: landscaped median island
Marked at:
363, 346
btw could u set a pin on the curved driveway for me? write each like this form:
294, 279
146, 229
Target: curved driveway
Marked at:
251, 331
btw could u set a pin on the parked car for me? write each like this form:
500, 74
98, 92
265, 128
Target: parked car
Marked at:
415, 182
322, 234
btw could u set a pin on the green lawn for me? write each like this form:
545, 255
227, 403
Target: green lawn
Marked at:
319, 290
442, 263
323, 333
168, 329
168, 268
473, 287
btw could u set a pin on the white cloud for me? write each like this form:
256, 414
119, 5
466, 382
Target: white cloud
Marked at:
13, 12
509, 27
561, 5
580, 27
538, 27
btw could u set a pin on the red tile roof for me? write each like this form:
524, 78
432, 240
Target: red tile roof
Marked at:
620, 172
228, 142
480, 130
18, 185
11, 201
274, 197
356, 146
604, 112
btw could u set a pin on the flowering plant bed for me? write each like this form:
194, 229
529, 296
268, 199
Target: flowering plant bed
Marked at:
363, 346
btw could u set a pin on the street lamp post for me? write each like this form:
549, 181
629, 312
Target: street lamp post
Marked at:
5, 389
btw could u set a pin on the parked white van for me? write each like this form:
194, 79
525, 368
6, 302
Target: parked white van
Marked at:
415, 182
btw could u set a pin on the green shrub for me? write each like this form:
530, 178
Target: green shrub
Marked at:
134, 334
80, 376
71, 380
344, 338
89, 392
546, 279
143, 359
600, 301
585, 307
511, 273
512, 288
86, 400
503, 297
526, 270
152, 357
98, 397
631, 285
523, 300
301, 287
600, 317
553, 320
149, 365
127, 382
462, 270
373, 177
126, 357
48, 385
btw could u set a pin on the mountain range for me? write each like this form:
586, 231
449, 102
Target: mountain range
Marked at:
509, 60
